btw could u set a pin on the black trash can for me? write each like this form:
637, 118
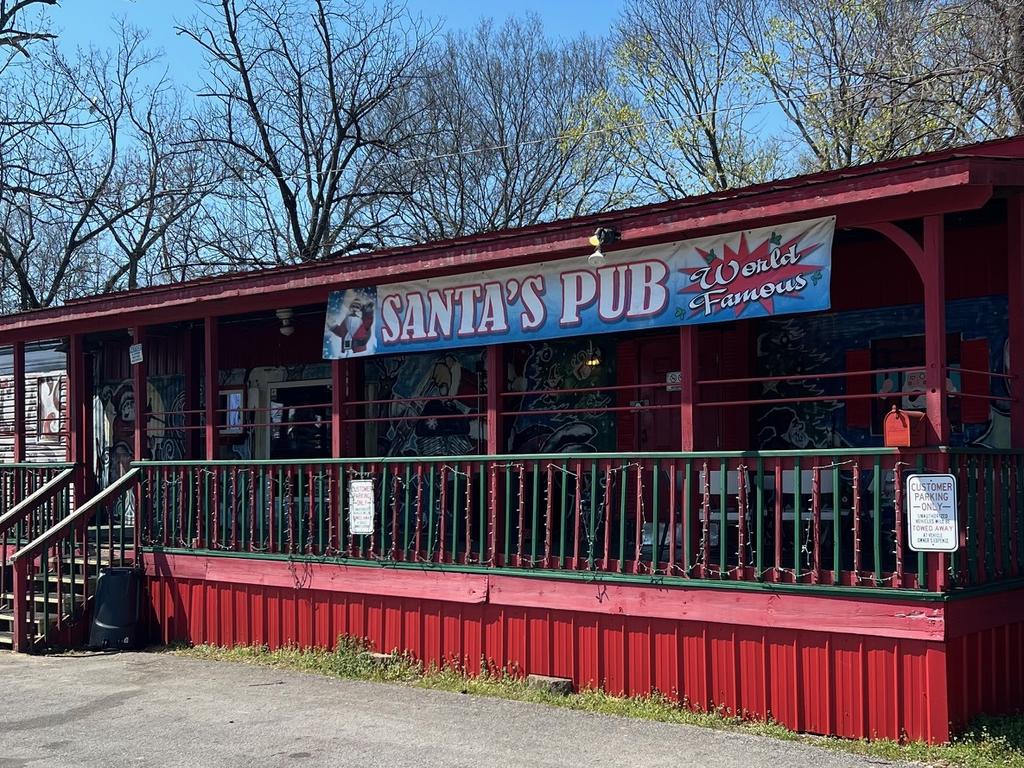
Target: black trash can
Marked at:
116, 608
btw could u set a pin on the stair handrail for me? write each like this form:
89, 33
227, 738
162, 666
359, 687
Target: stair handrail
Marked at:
41, 495
24, 556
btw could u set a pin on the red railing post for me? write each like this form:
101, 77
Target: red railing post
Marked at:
937, 563
21, 605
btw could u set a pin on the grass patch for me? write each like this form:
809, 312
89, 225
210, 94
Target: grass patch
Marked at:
989, 743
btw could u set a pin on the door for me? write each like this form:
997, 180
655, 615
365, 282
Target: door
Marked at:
658, 429
300, 420
724, 352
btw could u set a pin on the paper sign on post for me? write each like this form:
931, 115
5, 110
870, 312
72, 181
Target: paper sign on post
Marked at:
135, 354
360, 507
932, 513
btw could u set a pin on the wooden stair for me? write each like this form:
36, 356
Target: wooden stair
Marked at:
74, 574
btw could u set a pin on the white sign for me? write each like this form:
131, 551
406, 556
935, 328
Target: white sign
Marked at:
673, 381
135, 354
360, 507
931, 513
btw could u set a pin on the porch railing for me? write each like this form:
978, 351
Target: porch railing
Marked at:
55, 573
22, 522
829, 518
21, 480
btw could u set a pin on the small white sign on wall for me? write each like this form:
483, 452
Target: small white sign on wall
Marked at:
673, 381
932, 513
135, 354
360, 507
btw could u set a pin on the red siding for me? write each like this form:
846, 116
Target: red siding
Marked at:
985, 656
858, 412
868, 669
974, 357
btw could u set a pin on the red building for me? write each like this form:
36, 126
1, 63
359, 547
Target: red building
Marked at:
662, 468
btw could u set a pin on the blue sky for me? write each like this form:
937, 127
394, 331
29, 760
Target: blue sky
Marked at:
81, 22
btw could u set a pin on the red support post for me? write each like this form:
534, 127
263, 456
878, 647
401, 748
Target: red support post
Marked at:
190, 372
495, 386
76, 360
19, 400
339, 369
934, 277
1015, 311
141, 391
687, 386
211, 385
76, 409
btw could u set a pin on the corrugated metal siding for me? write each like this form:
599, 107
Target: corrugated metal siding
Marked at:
986, 672
820, 682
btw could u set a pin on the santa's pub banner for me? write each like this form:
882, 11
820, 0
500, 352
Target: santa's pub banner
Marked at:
770, 271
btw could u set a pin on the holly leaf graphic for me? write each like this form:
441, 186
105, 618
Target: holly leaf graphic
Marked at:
775, 239
816, 277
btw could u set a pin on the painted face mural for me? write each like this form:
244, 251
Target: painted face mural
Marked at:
883, 338
114, 424
433, 408
562, 423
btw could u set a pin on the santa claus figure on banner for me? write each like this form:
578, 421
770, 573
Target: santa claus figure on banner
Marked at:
352, 324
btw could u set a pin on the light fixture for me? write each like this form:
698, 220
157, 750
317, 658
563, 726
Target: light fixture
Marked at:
285, 316
602, 236
593, 357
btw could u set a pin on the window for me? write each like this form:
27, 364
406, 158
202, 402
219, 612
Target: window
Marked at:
300, 419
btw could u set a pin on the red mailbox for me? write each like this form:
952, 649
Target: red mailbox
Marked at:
904, 429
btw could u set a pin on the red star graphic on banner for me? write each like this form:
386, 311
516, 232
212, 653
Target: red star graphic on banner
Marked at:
743, 256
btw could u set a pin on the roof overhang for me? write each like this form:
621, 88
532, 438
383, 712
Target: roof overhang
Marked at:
857, 197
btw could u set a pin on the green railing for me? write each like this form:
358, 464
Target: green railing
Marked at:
55, 573
37, 509
19, 481
991, 504
815, 518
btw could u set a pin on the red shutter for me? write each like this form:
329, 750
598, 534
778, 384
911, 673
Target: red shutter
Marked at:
735, 364
625, 373
858, 411
974, 357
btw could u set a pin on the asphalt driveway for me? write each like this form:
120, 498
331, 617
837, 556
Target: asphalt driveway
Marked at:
161, 710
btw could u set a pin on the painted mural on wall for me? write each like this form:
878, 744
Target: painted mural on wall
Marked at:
805, 345
49, 406
114, 424
114, 415
555, 365
433, 410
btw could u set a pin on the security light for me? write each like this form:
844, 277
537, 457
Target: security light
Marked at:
602, 236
